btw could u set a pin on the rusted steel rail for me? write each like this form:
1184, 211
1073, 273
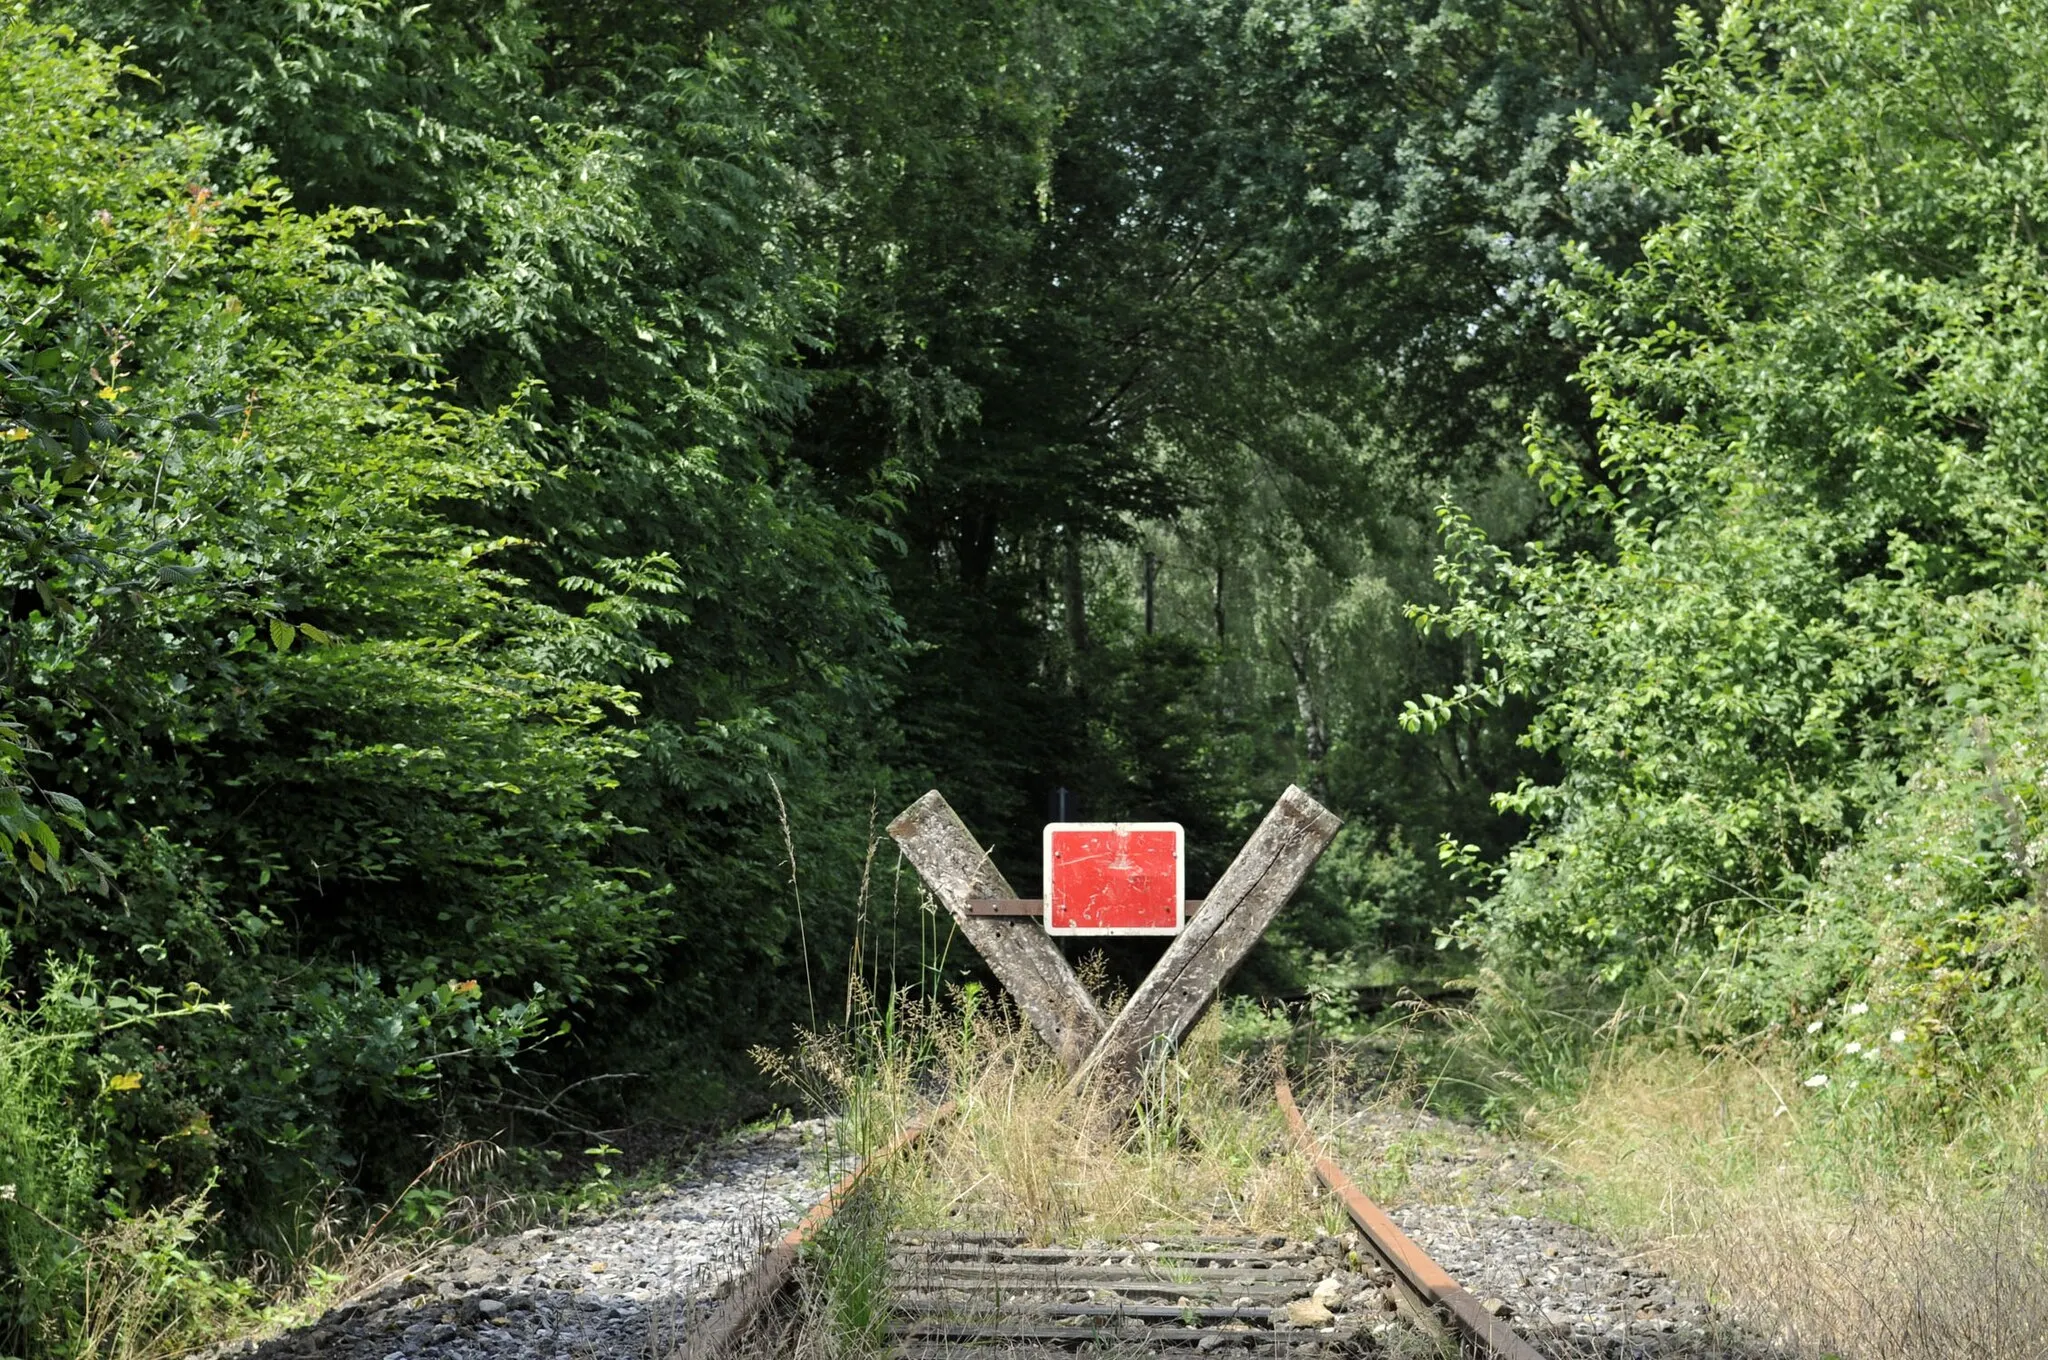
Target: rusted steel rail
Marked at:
1424, 1283
752, 1295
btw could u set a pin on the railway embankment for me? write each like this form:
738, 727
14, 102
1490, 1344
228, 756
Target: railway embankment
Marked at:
636, 1280
598, 1286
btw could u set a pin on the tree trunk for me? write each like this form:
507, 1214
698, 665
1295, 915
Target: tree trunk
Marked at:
1072, 587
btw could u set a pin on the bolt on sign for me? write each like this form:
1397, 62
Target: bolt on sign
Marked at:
1114, 878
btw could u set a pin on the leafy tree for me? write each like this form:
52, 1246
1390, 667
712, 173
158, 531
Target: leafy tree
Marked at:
1793, 705
595, 219
1280, 286
300, 744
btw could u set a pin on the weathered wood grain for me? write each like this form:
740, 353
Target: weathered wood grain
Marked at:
1236, 912
1017, 950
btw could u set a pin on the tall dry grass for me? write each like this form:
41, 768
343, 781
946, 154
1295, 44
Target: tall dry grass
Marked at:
1204, 1151
1031, 1151
1732, 1178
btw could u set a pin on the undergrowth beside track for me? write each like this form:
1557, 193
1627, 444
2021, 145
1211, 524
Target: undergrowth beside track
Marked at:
1833, 1227
1839, 1241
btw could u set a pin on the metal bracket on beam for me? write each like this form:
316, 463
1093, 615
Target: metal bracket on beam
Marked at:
1006, 906
1034, 906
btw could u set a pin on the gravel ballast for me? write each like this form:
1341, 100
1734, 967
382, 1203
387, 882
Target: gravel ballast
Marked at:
630, 1283
623, 1284
1484, 1208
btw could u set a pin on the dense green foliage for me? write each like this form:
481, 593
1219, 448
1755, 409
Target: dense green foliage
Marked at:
1796, 704
1223, 341
1387, 183
500, 499
282, 734
596, 225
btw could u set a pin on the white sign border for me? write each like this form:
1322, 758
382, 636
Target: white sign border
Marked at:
1180, 878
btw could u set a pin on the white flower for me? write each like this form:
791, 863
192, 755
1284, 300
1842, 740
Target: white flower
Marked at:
1813, 1028
1898, 1036
1816, 1081
1860, 1008
1852, 1047
1872, 1053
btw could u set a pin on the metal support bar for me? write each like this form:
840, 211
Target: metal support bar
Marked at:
1035, 906
1006, 906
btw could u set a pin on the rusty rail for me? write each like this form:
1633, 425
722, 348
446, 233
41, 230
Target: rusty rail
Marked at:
1481, 1335
752, 1295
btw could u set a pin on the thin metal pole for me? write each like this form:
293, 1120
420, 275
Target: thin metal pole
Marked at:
1151, 570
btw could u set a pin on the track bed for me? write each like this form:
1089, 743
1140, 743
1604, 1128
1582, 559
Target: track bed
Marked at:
972, 1295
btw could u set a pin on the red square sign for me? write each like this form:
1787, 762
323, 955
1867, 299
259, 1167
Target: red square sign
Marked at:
1113, 878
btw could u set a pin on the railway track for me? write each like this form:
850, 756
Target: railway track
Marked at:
960, 1296
977, 1295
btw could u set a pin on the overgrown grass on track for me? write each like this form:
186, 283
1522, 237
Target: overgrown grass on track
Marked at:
1032, 1152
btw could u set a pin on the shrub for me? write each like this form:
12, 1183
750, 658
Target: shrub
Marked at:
270, 709
1795, 698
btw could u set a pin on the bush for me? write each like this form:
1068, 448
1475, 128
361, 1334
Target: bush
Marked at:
82, 1274
1796, 698
270, 709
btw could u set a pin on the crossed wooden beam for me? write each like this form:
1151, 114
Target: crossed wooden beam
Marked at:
958, 872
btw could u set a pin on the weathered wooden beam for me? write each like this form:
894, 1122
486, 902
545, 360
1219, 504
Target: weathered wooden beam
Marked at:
1017, 950
1237, 911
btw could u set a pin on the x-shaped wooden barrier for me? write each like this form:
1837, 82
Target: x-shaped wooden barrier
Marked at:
1194, 968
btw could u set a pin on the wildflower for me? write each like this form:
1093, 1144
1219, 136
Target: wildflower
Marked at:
1813, 1028
1898, 1036
1816, 1081
7, 1193
1860, 1008
1873, 1053
1852, 1048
